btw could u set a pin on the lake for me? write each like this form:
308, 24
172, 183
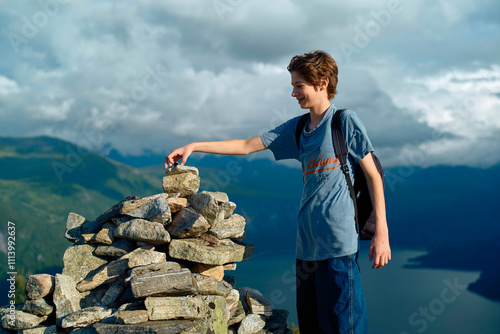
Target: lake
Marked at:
399, 300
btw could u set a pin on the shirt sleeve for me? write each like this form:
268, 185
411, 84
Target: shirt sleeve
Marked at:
357, 141
281, 140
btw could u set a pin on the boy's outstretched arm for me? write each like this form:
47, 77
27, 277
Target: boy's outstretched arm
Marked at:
379, 247
226, 147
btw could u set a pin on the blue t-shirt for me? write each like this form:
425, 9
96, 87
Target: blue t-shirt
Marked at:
326, 225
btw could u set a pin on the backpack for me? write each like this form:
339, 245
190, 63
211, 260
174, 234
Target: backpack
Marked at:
363, 209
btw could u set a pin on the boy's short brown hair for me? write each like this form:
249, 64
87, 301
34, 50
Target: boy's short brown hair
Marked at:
313, 66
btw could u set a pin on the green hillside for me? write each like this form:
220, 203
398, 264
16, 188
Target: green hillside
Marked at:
43, 179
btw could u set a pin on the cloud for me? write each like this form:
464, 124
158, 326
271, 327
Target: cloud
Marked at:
161, 74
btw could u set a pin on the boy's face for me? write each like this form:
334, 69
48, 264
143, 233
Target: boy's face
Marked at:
306, 94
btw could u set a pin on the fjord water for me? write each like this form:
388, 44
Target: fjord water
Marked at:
400, 300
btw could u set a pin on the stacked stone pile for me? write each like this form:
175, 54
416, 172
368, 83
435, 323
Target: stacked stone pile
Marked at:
150, 265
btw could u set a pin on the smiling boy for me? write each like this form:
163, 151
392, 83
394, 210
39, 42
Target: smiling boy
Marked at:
330, 297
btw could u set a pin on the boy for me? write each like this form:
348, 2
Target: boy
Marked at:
330, 297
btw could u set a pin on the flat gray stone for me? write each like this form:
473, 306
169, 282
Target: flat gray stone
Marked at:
150, 327
207, 205
86, 316
17, 320
219, 196
119, 208
197, 250
156, 210
185, 184
40, 330
114, 291
210, 286
228, 208
119, 248
144, 257
169, 308
163, 283
257, 303
237, 314
131, 317
80, 261
66, 297
155, 267
233, 227
73, 229
187, 224
251, 324
38, 307
40, 285
180, 169
143, 230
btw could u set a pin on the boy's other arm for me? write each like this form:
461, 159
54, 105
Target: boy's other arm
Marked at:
225, 147
379, 247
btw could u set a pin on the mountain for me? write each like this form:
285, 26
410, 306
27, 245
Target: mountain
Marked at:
42, 179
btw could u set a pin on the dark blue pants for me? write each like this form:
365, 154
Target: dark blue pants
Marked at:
330, 296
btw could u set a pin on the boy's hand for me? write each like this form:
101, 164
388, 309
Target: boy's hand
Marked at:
380, 250
177, 154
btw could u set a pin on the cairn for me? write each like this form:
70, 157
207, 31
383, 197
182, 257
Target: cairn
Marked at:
150, 265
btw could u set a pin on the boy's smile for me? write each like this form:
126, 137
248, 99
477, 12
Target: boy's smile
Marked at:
306, 94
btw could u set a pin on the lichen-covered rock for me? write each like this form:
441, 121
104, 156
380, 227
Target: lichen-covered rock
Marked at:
181, 169
218, 314
207, 205
155, 267
257, 303
86, 316
73, 229
131, 317
66, 297
39, 330
163, 283
17, 320
210, 286
143, 230
40, 285
80, 261
119, 248
156, 210
185, 184
38, 307
188, 224
167, 308
232, 227
251, 324
150, 327
197, 250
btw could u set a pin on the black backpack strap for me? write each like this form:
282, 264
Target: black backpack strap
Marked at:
300, 126
341, 153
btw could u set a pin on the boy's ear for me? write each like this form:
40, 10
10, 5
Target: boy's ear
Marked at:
324, 82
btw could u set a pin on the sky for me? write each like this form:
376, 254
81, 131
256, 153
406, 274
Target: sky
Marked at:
148, 76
